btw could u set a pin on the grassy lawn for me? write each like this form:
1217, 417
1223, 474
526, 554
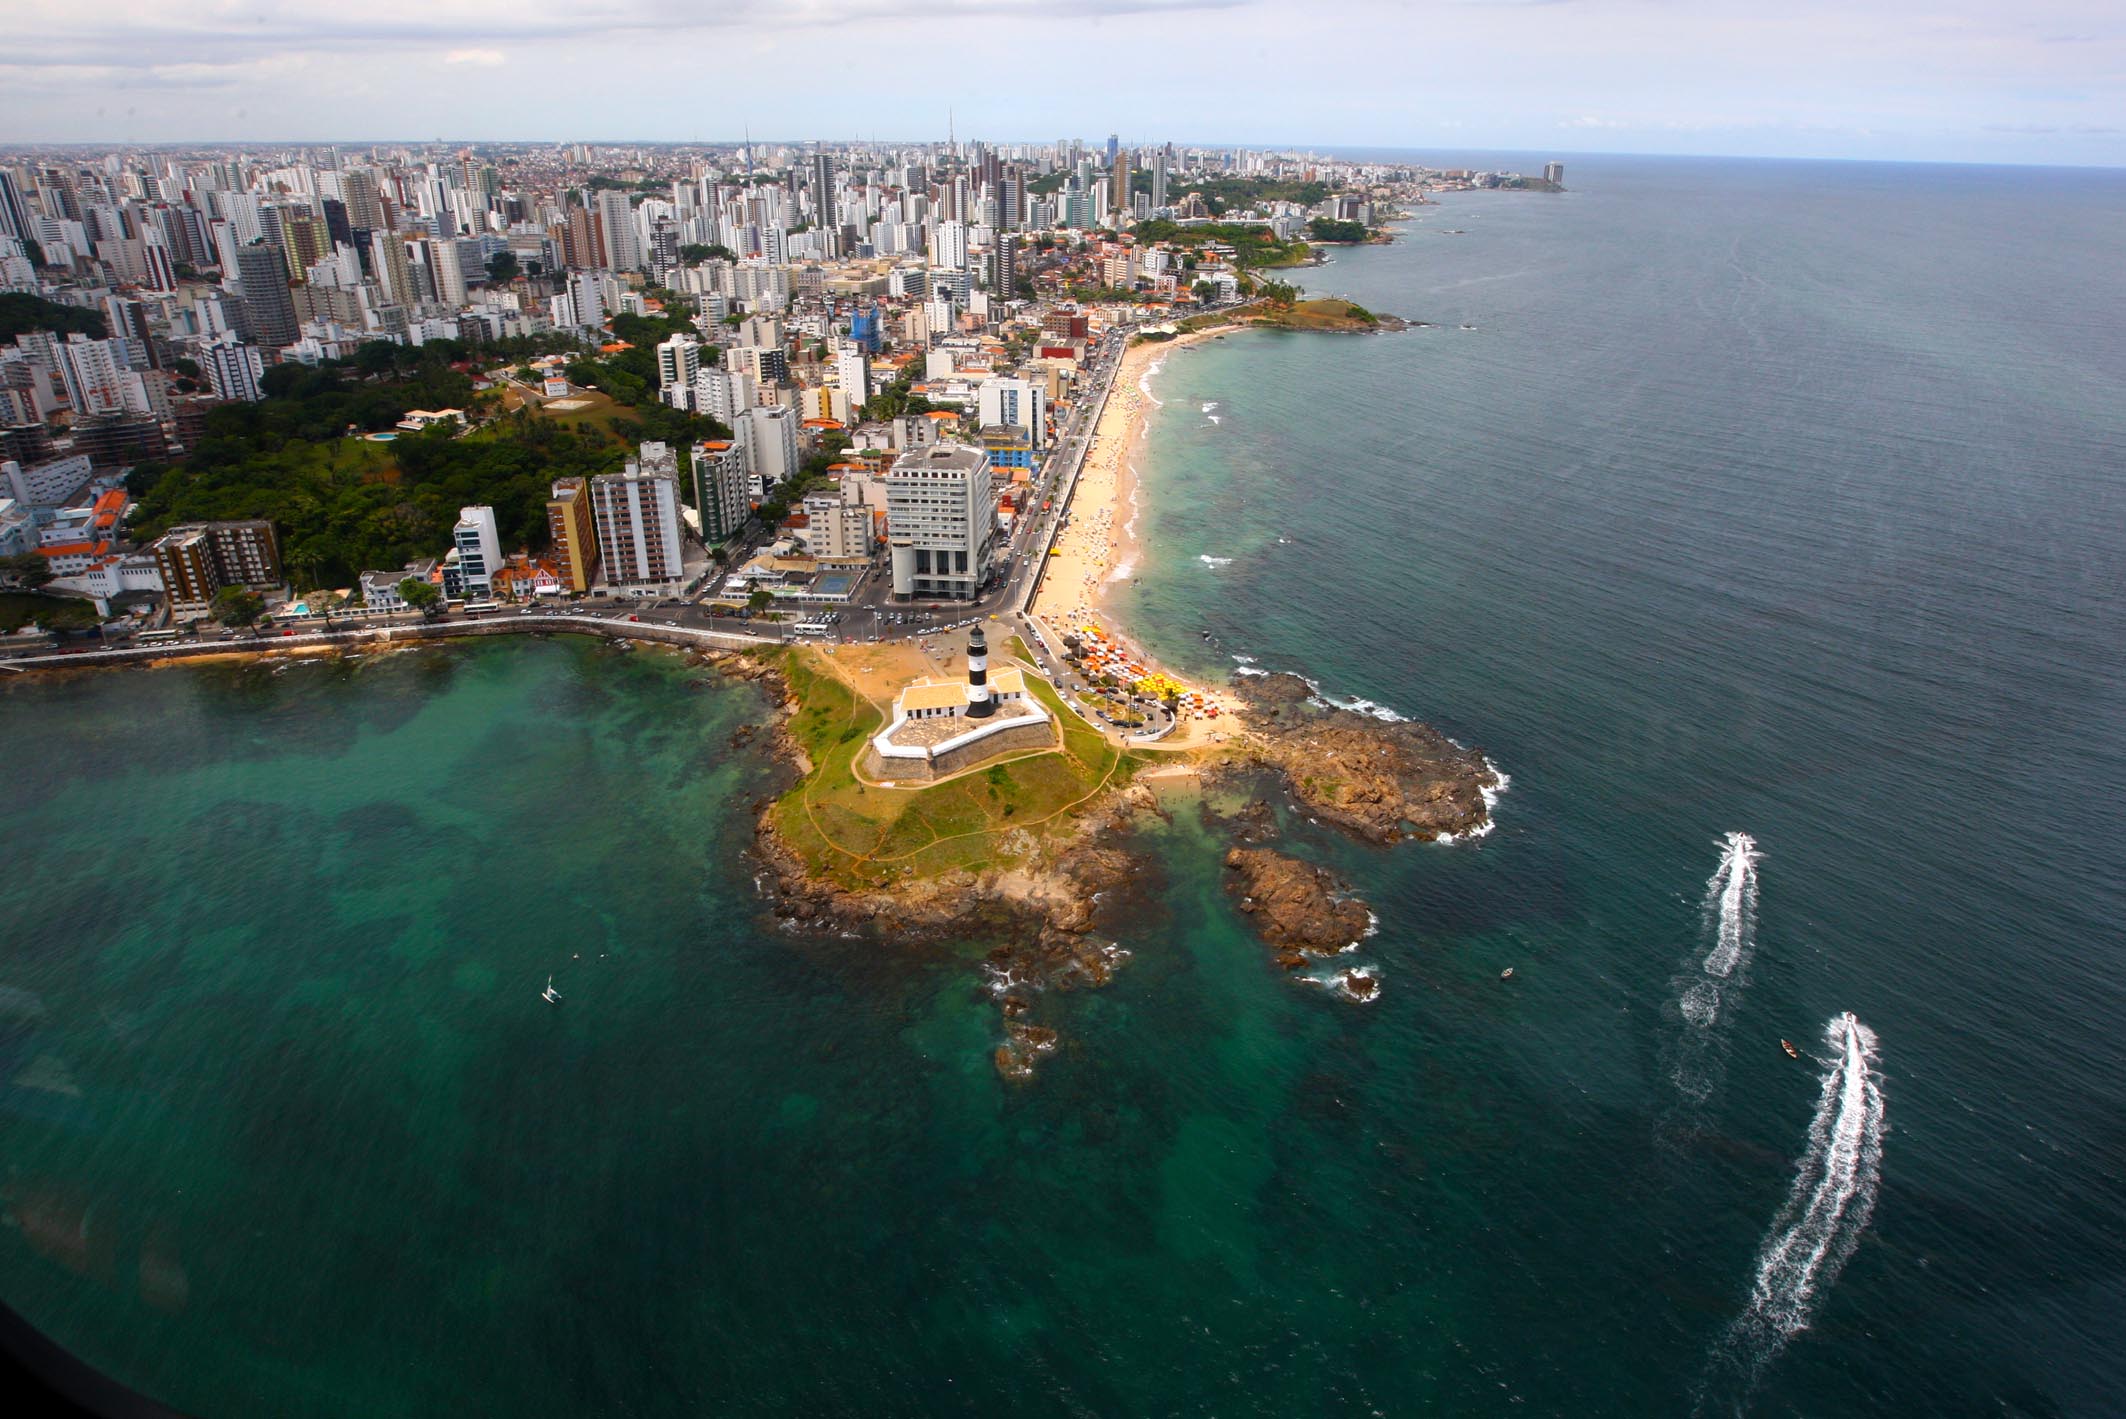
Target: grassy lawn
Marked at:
53, 613
862, 836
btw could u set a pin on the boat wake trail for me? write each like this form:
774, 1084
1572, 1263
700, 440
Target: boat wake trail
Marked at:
1731, 902
1705, 984
1815, 1233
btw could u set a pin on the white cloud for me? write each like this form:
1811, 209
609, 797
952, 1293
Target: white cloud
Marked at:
481, 58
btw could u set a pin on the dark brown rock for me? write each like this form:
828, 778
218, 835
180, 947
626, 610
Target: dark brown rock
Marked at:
1300, 909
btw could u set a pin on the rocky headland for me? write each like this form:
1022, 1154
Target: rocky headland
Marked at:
1381, 780
1057, 908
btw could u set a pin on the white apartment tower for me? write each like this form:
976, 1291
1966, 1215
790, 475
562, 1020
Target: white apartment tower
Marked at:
678, 362
853, 371
232, 368
768, 434
479, 550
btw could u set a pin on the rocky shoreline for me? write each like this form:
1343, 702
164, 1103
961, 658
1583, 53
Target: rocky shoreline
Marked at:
1058, 921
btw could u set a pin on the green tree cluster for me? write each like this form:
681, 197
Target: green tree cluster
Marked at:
21, 313
1328, 229
344, 506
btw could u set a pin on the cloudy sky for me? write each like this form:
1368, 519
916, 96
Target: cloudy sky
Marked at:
2040, 81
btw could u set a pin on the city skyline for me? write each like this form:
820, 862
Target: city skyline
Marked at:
1893, 80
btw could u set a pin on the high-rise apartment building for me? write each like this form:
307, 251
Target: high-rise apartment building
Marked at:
941, 521
1014, 403
262, 284
852, 370
678, 362
200, 558
768, 434
479, 549
232, 368
616, 217
723, 394
575, 537
720, 489
637, 515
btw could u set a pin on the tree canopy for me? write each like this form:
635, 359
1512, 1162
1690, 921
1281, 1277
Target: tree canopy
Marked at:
21, 313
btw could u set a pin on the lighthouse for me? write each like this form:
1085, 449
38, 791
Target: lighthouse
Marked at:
979, 703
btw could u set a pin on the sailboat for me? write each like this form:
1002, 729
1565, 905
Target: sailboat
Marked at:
550, 995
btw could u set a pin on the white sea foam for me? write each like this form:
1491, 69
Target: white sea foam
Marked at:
1123, 571
1355, 703
1339, 982
1249, 670
1700, 1004
1826, 1211
1240, 659
1214, 562
1144, 382
1210, 406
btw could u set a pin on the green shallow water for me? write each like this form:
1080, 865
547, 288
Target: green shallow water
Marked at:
1767, 498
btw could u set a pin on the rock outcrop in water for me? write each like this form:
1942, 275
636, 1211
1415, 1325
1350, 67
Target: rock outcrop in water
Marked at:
1300, 909
1382, 780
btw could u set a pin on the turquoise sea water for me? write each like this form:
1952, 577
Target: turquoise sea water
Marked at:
1774, 499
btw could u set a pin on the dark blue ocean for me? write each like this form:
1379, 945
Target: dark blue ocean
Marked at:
1764, 527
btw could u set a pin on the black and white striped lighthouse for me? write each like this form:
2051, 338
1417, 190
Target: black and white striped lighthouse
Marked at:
979, 703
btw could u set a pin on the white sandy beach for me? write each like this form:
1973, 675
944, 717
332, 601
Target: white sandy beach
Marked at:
1103, 543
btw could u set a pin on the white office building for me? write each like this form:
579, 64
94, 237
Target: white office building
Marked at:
941, 521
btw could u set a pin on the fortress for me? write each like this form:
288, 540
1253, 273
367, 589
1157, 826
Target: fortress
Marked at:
940, 727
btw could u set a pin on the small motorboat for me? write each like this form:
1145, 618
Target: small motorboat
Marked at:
1791, 1052
1506, 974
550, 995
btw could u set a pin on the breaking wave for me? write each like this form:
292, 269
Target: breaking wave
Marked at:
1144, 382
1493, 791
1814, 1235
1214, 562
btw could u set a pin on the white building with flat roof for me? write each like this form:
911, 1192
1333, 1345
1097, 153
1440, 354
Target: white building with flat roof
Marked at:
941, 521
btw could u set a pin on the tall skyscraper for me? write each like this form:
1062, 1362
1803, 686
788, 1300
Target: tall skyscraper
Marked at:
262, 283
1006, 283
1160, 162
616, 216
1118, 185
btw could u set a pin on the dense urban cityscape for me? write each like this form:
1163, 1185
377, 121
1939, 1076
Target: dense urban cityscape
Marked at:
795, 385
